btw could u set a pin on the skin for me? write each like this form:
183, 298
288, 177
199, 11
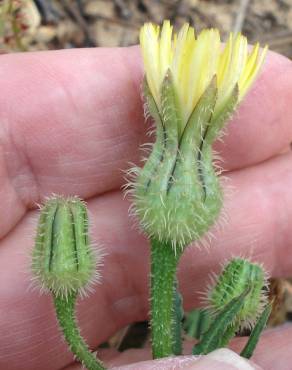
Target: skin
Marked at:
71, 121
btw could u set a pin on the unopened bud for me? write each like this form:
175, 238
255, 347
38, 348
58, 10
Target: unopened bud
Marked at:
63, 261
239, 276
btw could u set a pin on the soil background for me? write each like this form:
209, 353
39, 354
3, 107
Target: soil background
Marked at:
58, 24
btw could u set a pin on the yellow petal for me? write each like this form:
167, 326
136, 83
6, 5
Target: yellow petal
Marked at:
250, 77
194, 61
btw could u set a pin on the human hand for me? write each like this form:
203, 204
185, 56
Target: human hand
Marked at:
70, 123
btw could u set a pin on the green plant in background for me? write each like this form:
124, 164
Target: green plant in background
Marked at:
64, 264
192, 86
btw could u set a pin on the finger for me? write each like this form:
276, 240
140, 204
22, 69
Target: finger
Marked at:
259, 227
29, 332
72, 120
221, 359
272, 352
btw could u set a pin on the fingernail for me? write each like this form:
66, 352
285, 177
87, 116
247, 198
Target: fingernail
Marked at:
223, 359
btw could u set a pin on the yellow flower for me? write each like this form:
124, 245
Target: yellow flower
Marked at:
194, 61
193, 86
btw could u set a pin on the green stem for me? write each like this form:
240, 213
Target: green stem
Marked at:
65, 311
163, 272
250, 346
178, 315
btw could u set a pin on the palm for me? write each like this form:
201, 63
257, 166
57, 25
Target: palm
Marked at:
70, 123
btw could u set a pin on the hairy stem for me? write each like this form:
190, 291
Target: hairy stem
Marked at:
178, 315
65, 311
163, 272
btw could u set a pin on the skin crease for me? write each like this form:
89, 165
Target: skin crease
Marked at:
71, 121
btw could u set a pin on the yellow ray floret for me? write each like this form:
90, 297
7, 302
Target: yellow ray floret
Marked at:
194, 60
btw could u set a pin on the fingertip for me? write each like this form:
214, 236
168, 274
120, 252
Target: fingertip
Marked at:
226, 359
221, 359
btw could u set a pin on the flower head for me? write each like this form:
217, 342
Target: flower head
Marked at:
240, 275
194, 61
63, 260
192, 87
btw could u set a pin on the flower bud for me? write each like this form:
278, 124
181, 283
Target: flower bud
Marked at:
63, 261
239, 276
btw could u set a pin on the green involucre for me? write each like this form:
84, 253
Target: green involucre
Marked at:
63, 261
177, 195
240, 275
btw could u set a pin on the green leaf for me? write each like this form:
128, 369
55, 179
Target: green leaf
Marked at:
256, 332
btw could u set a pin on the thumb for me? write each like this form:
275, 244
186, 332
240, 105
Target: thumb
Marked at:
221, 359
